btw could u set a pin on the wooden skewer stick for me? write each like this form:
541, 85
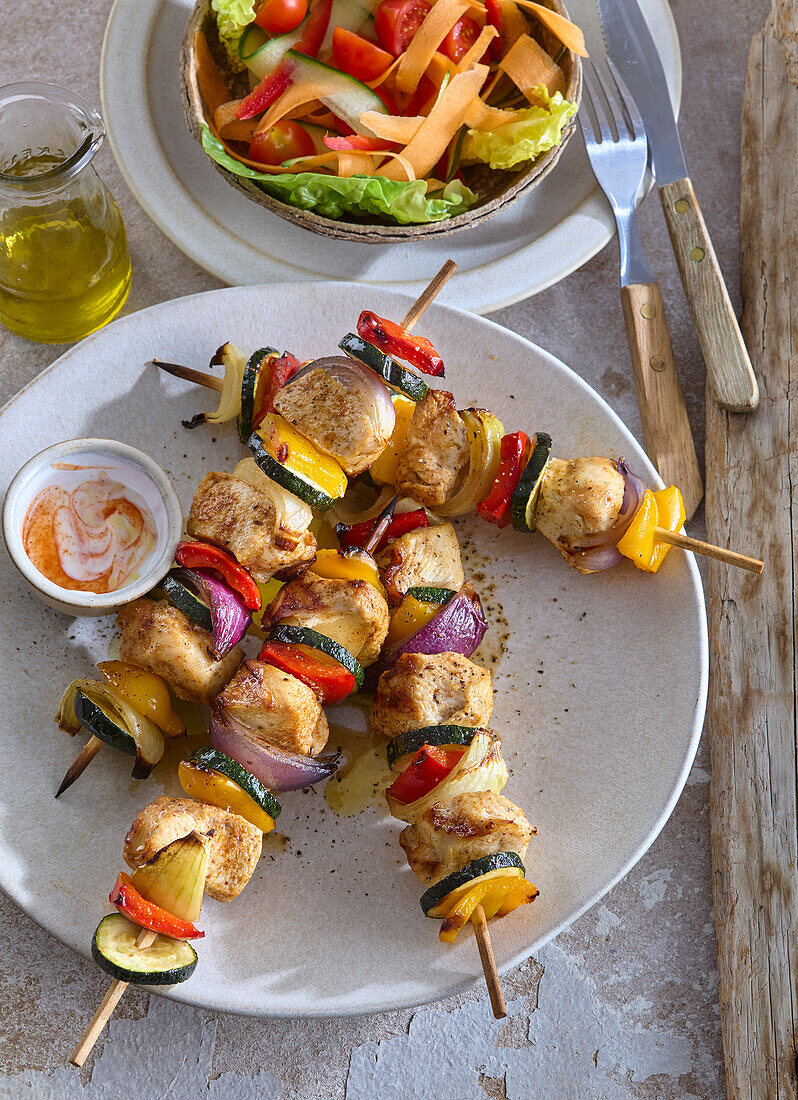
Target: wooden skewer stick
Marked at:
380, 527
673, 538
426, 296
80, 763
106, 1008
488, 963
209, 381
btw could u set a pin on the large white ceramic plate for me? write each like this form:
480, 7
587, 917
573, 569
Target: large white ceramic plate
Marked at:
539, 240
599, 695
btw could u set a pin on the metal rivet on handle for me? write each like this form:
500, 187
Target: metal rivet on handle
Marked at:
648, 311
682, 206
657, 362
696, 254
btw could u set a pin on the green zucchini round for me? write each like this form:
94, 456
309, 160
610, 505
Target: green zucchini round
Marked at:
305, 490
524, 501
391, 372
428, 594
430, 898
164, 962
303, 635
256, 373
219, 762
97, 721
187, 601
413, 740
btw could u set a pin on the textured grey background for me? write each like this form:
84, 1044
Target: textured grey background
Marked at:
624, 1004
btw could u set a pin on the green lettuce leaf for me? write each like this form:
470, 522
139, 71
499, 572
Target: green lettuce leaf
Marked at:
231, 18
539, 130
406, 203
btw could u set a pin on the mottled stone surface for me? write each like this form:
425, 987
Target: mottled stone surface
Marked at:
624, 1004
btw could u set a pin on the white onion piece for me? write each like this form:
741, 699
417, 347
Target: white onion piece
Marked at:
293, 516
353, 508
365, 383
480, 768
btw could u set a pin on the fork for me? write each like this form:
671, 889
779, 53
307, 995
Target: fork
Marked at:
617, 149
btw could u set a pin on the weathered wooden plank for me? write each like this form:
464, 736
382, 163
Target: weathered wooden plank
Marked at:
751, 484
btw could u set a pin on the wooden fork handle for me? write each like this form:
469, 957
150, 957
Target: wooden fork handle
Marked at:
728, 364
666, 429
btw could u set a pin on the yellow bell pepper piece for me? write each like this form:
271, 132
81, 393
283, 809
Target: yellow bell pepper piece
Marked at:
664, 508
215, 789
349, 567
383, 468
410, 616
146, 693
290, 448
497, 896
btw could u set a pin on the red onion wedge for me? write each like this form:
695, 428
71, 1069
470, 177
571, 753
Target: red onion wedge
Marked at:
276, 769
458, 627
229, 614
599, 551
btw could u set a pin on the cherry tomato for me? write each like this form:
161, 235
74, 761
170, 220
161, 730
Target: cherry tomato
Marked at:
361, 59
283, 141
281, 16
397, 21
460, 39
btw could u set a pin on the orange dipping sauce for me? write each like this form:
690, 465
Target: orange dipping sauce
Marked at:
92, 538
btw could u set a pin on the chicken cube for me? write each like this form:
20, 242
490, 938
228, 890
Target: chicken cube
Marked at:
435, 458
239, 518
232, 842
469, 826
159, 638
276, 708
425, 556
431, 690
351, 612
339, 419
578, 500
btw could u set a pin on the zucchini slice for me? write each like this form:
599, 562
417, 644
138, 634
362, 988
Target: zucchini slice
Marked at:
303, 635
396, 376
431, 595
524, 502
407, 744
225, 765
187, 601
294, 483
257, 375
100, 709
164, 962
500, 861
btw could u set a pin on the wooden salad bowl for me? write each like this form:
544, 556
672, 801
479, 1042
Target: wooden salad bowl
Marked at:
497, 189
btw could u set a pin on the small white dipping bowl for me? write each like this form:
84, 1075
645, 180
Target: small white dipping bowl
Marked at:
139, 474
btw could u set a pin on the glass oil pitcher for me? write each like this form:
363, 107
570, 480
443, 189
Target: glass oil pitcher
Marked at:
64, 262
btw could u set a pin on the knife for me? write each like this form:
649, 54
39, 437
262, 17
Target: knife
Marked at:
632, 49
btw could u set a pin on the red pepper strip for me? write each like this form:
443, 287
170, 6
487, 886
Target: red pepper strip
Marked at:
494, 13
281, 369
315, 28
356, 534
426, 770
514, 455
357, 141
395, 340
331, 682
201, 555
133, 905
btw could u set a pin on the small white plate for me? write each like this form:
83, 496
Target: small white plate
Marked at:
540, 239
599, 695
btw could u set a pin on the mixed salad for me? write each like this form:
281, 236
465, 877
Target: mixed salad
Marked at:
390, 110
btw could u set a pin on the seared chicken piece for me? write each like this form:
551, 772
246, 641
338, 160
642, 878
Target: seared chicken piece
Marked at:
276, 708
454, 833
434, 461
420, 690
426, 556
578, 500
351, 612
159, 638
339, 419
233, 844
232, 514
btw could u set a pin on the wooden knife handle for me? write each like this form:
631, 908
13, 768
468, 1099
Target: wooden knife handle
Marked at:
666, 429
728, 364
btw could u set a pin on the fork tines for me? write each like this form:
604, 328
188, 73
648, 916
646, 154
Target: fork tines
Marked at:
609, 104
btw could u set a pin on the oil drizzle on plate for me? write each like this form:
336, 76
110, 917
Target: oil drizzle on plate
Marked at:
359, 782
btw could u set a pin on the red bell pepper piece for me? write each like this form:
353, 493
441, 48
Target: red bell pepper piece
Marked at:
395, 340
494, 19
513, 457
426, 770
331, 682
357, 534
133, 905
280, 370
201, 555
357, 142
